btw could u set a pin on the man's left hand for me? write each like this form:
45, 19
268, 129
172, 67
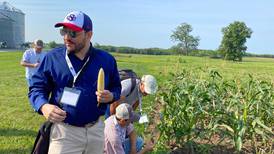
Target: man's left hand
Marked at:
104, 96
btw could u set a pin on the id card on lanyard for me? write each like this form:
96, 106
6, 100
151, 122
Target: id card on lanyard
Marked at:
71, 96
144, 117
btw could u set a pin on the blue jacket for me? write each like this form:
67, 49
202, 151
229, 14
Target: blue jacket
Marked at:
53, 75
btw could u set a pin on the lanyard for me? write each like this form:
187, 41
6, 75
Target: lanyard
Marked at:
72, 70
140, 99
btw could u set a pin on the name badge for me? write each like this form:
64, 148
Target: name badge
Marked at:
70, 96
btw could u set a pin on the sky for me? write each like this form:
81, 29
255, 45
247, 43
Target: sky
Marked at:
149, 23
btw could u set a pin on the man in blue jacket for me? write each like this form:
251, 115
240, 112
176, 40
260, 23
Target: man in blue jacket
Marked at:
64, 89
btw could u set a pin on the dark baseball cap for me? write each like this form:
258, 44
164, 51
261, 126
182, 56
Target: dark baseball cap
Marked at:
38, 43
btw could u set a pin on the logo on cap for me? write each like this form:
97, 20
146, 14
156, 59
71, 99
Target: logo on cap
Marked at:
71, 17
76, 21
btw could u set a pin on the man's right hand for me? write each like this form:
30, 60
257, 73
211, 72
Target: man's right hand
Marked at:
53, 113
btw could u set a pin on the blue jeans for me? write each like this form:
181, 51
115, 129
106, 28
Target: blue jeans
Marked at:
139, 145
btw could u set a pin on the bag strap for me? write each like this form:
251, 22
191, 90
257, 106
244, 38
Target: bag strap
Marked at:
35, 143
133, 85
46, 126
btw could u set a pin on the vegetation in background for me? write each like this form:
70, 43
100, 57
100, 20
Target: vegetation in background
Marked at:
187, 42
130, 50
200, 108
19, 123
259, 55
26, 45
52, 44
233, 43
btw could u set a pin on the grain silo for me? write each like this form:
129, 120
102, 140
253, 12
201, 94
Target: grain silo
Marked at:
12, 25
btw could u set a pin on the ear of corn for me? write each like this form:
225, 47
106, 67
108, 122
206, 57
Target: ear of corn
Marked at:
101, 80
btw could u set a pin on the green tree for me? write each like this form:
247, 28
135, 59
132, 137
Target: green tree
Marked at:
233, 43
53, 44
187, 42
176, 49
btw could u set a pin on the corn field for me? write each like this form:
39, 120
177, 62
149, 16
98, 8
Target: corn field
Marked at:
236, 113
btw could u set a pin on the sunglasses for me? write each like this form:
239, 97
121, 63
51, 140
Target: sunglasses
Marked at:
72, 34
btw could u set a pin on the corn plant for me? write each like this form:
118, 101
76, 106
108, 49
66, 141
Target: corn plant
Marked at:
197, 106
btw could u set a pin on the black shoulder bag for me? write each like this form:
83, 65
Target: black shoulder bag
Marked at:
41, 144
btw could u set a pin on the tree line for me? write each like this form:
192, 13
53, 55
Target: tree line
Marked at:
174, 50
232, 47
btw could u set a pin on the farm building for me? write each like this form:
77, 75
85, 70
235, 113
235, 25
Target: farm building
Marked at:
12, 26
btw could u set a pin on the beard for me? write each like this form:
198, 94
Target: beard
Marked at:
77, 47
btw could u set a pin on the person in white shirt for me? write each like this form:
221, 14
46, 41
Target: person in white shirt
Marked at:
32, 58
132, 94
117, 127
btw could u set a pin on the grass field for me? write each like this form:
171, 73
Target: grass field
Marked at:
19, 122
